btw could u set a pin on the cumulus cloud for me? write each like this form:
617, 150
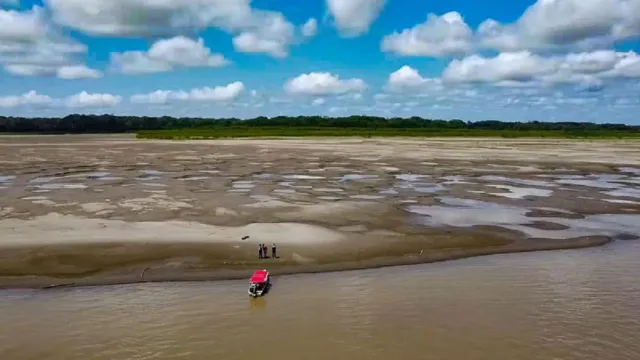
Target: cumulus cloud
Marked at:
166, 55
318, 102
438, 36
205, 94
354, 17
546, 26
576, 22
85, 99
22, 25
69, 72
271, 35
310, 28
255, 31
323, 83
30, 46
513, 68
80, 100
28, 98
77, 72
409, 79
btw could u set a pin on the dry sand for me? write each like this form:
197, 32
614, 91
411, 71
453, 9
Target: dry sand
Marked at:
108, 209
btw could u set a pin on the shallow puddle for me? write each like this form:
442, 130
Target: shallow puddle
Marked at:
357, 177
626, 192
148, 178
631, 170
597, 181
410, 177
430, 189
391, 191
467, 213
44, 179
517, 181
521, 192
455, 179
61, 186
151, 172
328, 189
302, 177
6, 179
284, 191
195, 178
243, 185
620, 201
154, 184
367, 197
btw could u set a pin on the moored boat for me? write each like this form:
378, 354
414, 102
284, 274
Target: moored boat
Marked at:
258, 283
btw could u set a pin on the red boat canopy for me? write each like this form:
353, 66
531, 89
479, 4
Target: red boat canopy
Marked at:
259, 276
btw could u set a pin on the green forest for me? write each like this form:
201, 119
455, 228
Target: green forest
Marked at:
185, 128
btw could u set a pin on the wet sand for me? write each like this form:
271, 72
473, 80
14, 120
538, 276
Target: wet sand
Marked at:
89, 210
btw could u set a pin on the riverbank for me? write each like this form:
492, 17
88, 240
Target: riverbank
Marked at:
301, 132
95, 210
191, 267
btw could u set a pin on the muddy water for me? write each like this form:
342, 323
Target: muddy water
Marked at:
581, 304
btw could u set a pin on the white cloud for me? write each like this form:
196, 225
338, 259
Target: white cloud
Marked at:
67, 72
318, 102
29, 70
29, 98
517, 67
206, 94
547, 25
323, 83
557, 24
80, 100
587, 69
166, 55
565, 22
30, 46
438, 36
310, 28
85, 99
254, 30
77, 72
354, 17
22, 25
270, 34
409, 79
250, 42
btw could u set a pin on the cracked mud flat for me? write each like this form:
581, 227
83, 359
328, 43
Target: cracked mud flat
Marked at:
110, 209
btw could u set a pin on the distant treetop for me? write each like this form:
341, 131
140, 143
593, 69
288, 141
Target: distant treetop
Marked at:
121, 124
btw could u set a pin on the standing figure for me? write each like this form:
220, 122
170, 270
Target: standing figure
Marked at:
273, 250
259, 251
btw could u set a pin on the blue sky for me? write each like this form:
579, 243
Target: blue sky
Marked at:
548, 60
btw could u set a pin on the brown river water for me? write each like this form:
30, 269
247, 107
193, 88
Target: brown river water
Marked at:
578, 304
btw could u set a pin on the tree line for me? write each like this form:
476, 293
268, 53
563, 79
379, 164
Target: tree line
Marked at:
78, 124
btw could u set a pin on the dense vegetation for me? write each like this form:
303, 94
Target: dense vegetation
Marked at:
184, 128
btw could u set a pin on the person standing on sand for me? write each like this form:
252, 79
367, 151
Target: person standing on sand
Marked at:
273, 250
259, 251
265, 251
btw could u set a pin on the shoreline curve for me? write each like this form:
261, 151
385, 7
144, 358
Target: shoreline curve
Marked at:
146, 273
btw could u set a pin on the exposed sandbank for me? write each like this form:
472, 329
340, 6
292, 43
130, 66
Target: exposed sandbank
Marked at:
93, 210
190, 267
